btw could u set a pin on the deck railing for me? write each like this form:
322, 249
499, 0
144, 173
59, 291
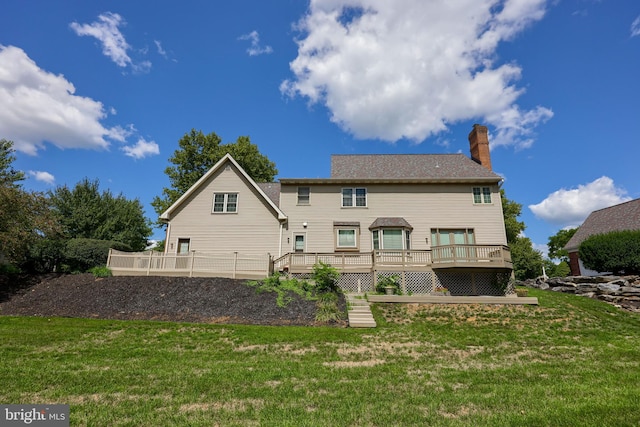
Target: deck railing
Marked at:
483, 256
193, 264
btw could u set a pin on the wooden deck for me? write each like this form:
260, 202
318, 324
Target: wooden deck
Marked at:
438, 299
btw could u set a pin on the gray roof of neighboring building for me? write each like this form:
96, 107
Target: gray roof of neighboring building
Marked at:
625, 216
407, 166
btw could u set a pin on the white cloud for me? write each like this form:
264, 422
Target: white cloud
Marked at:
39, 106
255, 48
635, 27
142, 149
113, 41
42, 176
569, 208
410, 68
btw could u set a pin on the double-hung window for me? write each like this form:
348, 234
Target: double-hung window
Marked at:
354, 197
225, 202
482, 195
303, 195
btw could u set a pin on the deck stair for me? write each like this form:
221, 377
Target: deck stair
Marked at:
359, 312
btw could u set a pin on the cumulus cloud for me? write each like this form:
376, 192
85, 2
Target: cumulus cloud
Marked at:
142, 149
114, 44
42, 176
39, 106
569, 208
411, 68
635, 27
255, 48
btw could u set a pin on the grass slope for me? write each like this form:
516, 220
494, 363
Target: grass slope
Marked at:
570, 361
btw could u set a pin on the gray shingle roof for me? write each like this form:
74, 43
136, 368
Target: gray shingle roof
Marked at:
407, 166
272, 190
390, 222
625, 216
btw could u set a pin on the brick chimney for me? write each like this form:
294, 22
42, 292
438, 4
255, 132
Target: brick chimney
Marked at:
479, 143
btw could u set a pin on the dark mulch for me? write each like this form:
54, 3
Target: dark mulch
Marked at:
207, 300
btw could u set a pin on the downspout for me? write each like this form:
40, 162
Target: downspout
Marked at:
280, 241
166, 239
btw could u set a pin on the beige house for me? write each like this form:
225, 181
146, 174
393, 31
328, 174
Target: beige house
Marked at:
432, 220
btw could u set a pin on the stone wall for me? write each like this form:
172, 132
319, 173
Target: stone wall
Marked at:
621, 291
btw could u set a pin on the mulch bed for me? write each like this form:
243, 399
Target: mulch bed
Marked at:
183, 299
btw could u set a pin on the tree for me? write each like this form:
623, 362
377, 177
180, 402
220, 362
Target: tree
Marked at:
198, 153
85, 212
527, 262
24, 217
558, 241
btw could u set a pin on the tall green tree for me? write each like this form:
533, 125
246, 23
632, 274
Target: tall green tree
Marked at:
198, 153
85, 212
527, 261
557, 242
24, 216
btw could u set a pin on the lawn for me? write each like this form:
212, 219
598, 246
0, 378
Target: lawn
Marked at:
570, 361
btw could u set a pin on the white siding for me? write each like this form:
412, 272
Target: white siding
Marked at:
254, 229
423, 206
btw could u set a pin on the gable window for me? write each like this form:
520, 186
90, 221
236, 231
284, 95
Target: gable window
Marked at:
354, 197
347, 236
482, 195
303, 195
225, 202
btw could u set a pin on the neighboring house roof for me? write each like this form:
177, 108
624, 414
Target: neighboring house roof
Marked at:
166, 215
625, 216
407, 166
272, 190
390, 222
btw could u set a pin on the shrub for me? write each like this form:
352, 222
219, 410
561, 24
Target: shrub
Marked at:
386, 282
83, 254
102, 271
326, 278
617, 252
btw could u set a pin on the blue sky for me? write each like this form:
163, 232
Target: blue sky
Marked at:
105, 90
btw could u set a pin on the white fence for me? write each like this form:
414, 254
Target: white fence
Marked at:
194, 264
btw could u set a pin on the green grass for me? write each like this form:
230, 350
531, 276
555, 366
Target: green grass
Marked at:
570, 361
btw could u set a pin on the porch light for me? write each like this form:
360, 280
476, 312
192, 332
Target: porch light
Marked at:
304, 224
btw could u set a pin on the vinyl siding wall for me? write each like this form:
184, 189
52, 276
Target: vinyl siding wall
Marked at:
254, 229
423, 206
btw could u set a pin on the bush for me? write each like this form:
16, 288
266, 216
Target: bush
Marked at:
102, 271
83, 254
617, 252
388, 282
326, 278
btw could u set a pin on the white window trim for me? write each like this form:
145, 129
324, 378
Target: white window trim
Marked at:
226, 200
354, 197
482, 195
356, 238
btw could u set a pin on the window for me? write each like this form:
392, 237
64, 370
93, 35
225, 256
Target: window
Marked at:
346, 235
354, 197
346, 238
482, 195
303, 195
391, 238
225, 202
